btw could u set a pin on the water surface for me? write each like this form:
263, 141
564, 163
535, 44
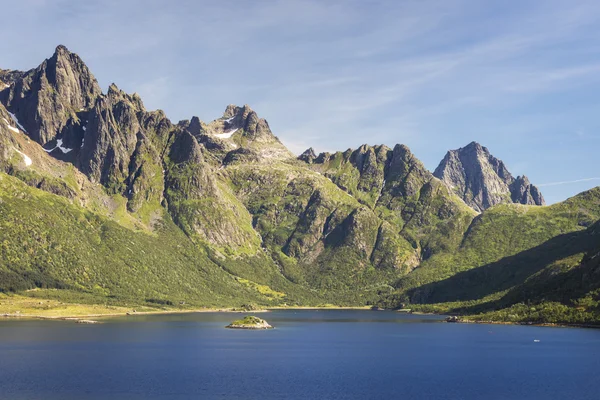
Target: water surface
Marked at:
325, 354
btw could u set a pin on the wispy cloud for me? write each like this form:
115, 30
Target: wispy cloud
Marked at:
515, 76
568, 182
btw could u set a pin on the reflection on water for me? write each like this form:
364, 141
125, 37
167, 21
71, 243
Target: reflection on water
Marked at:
312, 354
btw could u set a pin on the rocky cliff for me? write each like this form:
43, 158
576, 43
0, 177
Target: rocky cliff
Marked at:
482, 180
51, 97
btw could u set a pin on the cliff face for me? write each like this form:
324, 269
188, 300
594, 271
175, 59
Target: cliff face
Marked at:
482, 180
50, 97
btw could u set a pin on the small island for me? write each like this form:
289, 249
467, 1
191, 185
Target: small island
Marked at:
250, 322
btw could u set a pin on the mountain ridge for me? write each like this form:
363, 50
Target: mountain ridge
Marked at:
347, 227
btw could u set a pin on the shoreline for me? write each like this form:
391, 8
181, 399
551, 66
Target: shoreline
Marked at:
539, 324
78, 317
81, 317
319, 308
75, 317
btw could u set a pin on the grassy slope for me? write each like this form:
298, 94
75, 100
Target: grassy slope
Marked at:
47, 242
512, 254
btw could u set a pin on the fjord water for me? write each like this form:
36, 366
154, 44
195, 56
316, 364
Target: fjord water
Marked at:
325, 354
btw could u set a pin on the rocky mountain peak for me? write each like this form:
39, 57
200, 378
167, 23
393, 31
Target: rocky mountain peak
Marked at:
308, 156
240, 134
61, 49
113, 90
195, 126
46, 98
522, 191
115, 94
246, 119
233, 110
483, 180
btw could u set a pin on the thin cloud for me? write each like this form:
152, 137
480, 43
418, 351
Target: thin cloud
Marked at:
568, 182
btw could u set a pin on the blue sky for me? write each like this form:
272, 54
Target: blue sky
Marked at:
520, 77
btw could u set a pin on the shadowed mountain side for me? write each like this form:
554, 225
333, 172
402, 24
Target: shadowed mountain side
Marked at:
502, 275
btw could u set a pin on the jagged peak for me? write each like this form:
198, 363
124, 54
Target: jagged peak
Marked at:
62, 82
234, 111
483, 180
114, 89
61, 49
524, 179
195, 126
230, 111
310, 151
474, 146
308, 155
63, 58
402, 148
116, 94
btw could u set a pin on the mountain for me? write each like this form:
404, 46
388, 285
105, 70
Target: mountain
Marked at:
401, 191
104, 201
47, 99
240, 135
482, 180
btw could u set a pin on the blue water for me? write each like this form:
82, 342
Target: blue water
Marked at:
310, 355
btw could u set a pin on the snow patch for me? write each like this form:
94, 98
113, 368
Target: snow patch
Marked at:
83, 138
26, 158
382, 187
12, 128
14, 118
59, 146
230, 119
226, 135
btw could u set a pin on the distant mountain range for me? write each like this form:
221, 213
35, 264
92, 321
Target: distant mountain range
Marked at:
104, 201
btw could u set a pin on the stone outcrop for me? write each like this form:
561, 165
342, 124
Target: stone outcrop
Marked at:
482, 180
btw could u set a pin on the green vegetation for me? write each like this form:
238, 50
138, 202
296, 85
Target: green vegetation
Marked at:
501, 232
517, 263
247, 320
46, 242
250, 322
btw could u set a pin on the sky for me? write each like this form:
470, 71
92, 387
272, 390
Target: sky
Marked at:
520, 77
